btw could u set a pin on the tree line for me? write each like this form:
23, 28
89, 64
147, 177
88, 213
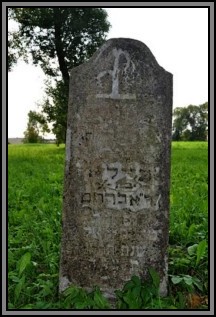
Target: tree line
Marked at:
59, 39
190, 123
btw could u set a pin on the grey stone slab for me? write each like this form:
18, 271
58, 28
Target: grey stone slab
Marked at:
117, 173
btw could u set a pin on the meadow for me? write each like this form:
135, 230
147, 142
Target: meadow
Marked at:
35, 190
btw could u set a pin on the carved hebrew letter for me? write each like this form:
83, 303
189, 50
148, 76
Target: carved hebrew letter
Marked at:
124, 233
109, 250
134, 200
112, 196
126, 221
86, 198
88, 135
124, 250
98, 197
134, 267
114, 171
140, 251
157, 202
132, 251
124, 198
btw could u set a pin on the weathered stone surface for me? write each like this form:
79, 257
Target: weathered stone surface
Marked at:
116, 192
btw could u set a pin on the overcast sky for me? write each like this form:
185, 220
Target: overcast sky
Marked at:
177, 37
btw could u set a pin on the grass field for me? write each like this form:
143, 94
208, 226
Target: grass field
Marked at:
35, 188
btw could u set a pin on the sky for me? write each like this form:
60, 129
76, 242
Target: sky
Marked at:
177, 37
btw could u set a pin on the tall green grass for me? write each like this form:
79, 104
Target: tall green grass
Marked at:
188, 238
189, 192
35, 190
35, 184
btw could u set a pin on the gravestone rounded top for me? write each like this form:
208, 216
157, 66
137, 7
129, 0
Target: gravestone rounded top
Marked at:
139, 51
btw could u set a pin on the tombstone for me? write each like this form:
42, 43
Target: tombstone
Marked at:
117, 172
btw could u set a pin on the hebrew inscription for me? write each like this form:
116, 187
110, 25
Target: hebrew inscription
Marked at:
124, 189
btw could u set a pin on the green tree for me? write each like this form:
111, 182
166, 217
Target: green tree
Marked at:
12, 54
55, 107
58, 39
190, 123
180, 122
36, 126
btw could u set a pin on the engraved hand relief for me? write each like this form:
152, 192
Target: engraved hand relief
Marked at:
114, 74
